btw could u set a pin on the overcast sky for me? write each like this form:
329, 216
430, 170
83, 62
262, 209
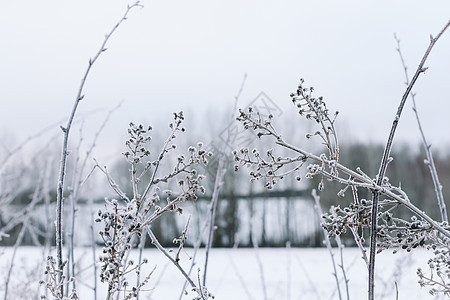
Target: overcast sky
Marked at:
192, 56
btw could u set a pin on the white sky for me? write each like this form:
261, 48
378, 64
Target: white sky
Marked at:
192, 55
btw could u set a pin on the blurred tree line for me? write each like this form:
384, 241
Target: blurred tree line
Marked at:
247, 211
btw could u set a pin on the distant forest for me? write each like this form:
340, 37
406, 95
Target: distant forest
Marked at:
283, 215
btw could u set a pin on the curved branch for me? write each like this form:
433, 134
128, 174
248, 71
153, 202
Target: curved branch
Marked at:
65, 152
385, 159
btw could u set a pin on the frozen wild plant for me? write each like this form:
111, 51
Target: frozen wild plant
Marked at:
55, 280
65, 153
125, 219
392, 231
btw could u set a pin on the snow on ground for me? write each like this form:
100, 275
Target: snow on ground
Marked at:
287, 273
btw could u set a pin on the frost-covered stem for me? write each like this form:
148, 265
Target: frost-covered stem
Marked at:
360, 246
341, 265
212, 212
197, 245
65, 152
434, 174
94, 256
76, 186
73, 198
213, 205
427, 146
141, 249
48, 217
384, 163
133, 179
193, 259
158, 162
166, 253
356, 237
169, 207
327, 241
46, 196
366, 183
111, 182
334, 153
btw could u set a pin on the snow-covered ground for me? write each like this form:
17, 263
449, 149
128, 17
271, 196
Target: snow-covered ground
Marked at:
283, 273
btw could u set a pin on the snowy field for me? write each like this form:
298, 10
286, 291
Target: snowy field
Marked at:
236, 274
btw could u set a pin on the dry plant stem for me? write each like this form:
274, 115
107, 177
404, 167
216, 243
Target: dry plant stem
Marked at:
166, 253
65, 152
213, 202
48, 217
46, 198
363, 181
94, 255
71, 233
430, 161
111, 182
384, 163
341, 265
182, 240
200, 284
327, 241
212, 212
158, 162
76, 186
141, 249
360, 246
197, 245
356, 236
169, 207
334, 151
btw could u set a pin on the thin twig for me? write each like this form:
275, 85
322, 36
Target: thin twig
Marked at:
341, 265
65, 152
111, 182
327, 241
93, 245
430, 161
76, 187
366, 183
385, 159
212, 212
166, 253
141, 249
